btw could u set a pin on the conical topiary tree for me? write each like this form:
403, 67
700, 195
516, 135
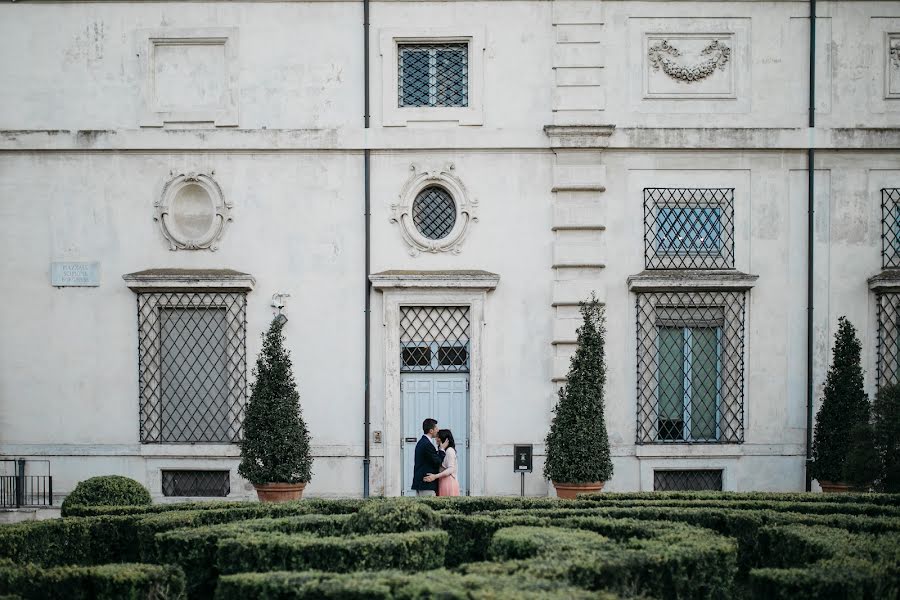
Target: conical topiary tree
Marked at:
578, 445
844, 405
275, 448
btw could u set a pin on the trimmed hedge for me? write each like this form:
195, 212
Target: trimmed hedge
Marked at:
263, 509
272, 551
106, 490
103, 582
393, 516
383, 585
808, 562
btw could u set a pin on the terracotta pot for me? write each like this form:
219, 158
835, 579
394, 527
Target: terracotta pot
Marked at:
568, 491
835, 487
279, 492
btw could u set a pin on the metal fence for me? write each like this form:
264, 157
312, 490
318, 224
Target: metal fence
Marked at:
690, 367
193, 371
196, 483
890, 228
433, 74
689, 228
687, 480
18, 489
887, 366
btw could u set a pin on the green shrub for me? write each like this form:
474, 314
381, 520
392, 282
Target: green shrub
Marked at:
103, 582
844, 405
886, 434
262, 509
808, 562
862, 466
442, 584
393, 516
578, 444
275, 448
271, 551
107, 490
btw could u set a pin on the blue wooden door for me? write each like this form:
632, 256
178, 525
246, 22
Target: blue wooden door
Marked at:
441, 396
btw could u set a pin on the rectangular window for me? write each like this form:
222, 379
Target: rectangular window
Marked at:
205, 484
887, 368
434, 338
688, 383
433, 74
690, 367
192, 349
689, 228
890, 227
693, 480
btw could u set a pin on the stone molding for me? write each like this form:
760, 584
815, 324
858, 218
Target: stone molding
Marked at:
659, 55
466, 209
888, 280
691, 280
579, 136
219, 211
159, 280
469, 280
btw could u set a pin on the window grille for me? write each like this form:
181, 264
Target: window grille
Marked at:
887, 369
433, 74
196, 483
688, 481
890, 227
434, 338
690, 367
192, 353
689, 228
434, 213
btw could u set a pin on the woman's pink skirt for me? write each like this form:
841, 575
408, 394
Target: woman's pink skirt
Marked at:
448, 486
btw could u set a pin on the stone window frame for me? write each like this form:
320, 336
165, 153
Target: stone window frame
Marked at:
722, 286
443, 177
152, 288
393, 115
220, 210
154, 115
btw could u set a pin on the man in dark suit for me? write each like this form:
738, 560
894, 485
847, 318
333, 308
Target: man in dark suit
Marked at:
428, 460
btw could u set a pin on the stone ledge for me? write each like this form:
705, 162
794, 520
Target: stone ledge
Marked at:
188, 279
888, 280
465, 279
691, 280
579, 136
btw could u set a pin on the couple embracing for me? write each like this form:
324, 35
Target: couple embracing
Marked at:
434, 471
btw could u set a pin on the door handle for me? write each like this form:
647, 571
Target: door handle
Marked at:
410, 439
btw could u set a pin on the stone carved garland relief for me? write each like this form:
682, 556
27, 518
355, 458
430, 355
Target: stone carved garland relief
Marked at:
895, 53
192, 211
661, 53
402, 211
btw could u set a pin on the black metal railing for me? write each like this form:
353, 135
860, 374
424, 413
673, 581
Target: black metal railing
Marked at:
18, 489
890, 228
693, 480
689, 228
196, 483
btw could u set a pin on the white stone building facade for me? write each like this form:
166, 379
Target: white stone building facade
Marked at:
168, 169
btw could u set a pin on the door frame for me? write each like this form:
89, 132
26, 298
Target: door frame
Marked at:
433, 288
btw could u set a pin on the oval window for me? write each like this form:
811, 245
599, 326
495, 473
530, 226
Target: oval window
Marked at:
434, 213
193, 212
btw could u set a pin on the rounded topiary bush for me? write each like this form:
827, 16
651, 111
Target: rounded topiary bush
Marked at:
107, 490
393, 516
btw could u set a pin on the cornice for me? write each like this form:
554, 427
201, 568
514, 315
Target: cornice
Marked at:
155, 280
691, 280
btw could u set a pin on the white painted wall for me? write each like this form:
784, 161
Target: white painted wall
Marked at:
79, 176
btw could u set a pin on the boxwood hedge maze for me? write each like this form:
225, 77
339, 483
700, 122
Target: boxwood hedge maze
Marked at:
607, 546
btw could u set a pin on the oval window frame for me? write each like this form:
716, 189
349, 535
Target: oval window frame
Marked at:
220, 210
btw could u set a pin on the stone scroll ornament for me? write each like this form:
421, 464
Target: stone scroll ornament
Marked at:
715, 56
192, 211
895, 54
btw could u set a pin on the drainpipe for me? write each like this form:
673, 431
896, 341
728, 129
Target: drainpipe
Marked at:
366, 215
810, 236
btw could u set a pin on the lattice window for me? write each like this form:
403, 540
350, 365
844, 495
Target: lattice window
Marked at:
434, 213
887, 370
890, 227
434, 338
687, 480
689, 228
196, 483
192, 352
690, 367
433, 74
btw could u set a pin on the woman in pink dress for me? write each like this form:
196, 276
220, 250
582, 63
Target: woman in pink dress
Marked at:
448, 484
